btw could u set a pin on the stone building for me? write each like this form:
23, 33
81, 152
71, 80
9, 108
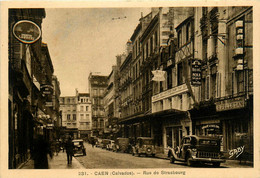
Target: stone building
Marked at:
97, 86
30, 95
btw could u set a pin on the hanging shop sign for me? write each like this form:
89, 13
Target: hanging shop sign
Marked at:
158, 75
230, 104
48, 104
46, 89
196, 72
49, 126
27, 31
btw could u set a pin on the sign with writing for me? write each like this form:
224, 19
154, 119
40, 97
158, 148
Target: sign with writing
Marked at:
196, 72
229, 104
158, 75
236, 152
49, 104
47, 89
49, 126
27, 31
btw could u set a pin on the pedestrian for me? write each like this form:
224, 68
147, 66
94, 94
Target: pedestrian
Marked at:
93, 143
57, 147
69, 150
40, 153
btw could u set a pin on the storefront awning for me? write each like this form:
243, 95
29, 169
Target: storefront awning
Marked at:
161, 114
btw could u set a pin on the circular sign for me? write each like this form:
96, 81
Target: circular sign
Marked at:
27, 31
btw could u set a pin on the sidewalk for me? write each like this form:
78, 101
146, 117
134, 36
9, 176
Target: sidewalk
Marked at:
57, 162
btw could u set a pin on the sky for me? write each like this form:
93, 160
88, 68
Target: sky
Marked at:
86, 40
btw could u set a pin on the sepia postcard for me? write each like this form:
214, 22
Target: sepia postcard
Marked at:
129, 89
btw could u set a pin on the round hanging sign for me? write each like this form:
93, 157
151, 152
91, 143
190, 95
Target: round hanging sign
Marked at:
27, 31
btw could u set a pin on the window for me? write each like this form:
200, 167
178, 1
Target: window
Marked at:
207, 87
74, 117
81, 100
179, 39
169, 79
204, 49
81, 108
68, 116
95, 91
147, 50
87, 116
155, 39
151, 45
81, 116
240, 81
74, 124
86, 108
188, 32
180, 74
101, 91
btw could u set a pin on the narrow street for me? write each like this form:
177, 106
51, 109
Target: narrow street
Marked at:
98, 158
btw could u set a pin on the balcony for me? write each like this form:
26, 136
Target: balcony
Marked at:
213, 59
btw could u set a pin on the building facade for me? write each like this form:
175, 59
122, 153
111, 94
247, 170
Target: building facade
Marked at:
31, 91
84, 115
97, 86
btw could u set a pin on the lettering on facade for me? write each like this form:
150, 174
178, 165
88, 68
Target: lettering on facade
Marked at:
196, 72
171, 92
235, 103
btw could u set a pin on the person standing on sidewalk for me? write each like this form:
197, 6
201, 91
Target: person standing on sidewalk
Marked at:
69, 150
40, 152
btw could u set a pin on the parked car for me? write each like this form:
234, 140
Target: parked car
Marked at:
121, 145
104, 144
144, 146
98, 142
197, 149
110, 145
79, 148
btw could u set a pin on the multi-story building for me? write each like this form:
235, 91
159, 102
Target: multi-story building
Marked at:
97, 86
30, 87
84, 114
68, 108
111, 102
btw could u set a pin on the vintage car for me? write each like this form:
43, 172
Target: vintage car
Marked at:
79, 148
98, 142
110, 145
197, 149
121, 145
144, 146
104, 143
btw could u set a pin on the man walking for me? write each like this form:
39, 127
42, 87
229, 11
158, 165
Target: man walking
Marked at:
69, 150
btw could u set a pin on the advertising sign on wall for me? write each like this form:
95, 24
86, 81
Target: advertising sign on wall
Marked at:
27, 31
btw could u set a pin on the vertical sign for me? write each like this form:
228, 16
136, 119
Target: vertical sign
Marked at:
196, 72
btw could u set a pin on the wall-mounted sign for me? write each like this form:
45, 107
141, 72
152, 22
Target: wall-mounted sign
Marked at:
158, 75
46, 89
48, 104
229, 104
27, 31
196, 72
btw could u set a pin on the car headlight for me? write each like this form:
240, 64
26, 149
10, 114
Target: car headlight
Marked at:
194, 152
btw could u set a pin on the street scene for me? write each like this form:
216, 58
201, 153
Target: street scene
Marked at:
130, 88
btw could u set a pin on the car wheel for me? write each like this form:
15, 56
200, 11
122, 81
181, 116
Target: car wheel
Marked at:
189, 160
216, 164
172, 159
